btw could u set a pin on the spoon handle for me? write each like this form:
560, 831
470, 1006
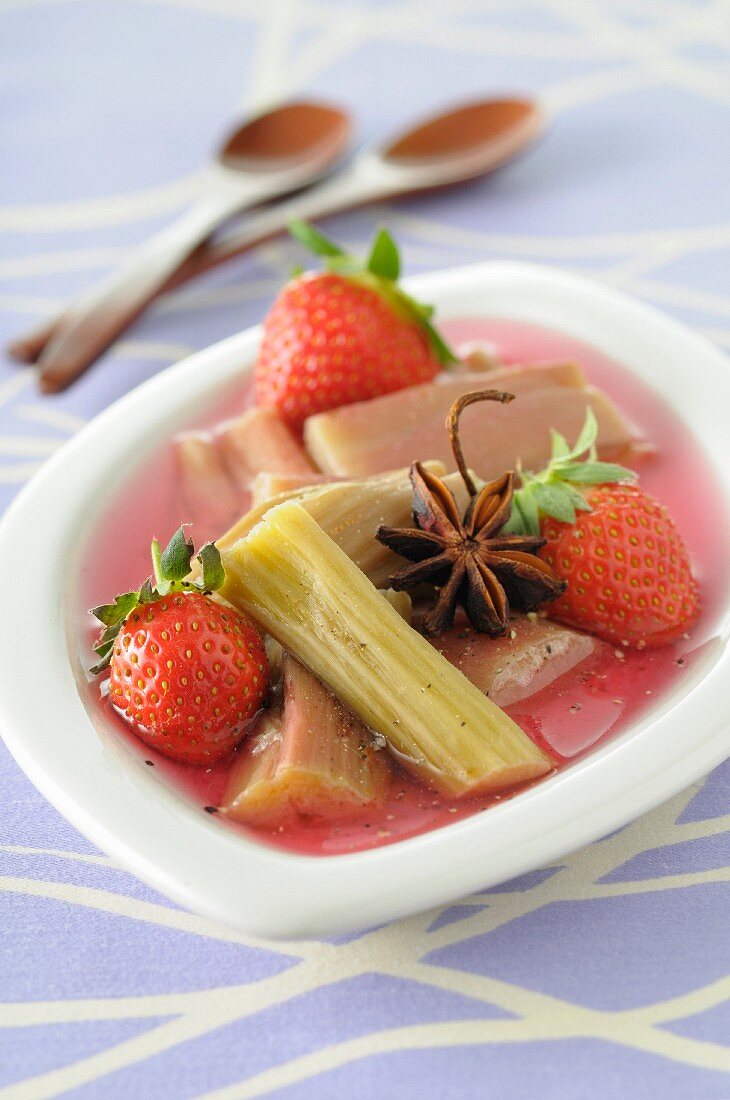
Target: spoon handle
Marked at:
29, 347
344, 192
93, 322
360, 183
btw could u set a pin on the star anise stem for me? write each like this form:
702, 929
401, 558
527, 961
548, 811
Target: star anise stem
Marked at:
452, 427
468, 559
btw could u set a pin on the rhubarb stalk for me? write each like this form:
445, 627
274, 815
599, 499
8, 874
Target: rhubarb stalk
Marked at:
306, 592
350, 511
314, 759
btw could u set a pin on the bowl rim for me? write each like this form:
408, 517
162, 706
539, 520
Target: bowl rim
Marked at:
130, 813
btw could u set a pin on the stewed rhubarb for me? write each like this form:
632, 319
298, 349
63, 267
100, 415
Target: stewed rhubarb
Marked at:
545, 598
257, 441
373, 436
295, 581
308, 756
530, 656
350, 511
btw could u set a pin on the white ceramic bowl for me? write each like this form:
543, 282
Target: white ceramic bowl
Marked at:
128, 810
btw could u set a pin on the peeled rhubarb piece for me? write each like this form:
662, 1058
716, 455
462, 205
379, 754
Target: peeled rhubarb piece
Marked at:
310, 757
478, 356
336, 439
532, 654
351, 515
304, 590
350, 511
260, 440
400, 602
361, 440
203, 480
275, 656
267, 485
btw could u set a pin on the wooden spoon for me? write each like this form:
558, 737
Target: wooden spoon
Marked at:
461, 143
277, 152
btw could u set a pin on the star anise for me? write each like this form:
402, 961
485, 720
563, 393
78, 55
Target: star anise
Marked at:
468, 559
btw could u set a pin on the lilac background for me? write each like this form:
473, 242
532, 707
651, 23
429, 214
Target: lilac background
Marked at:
604, 976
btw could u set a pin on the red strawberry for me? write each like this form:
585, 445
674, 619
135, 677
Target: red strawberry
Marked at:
344, 335
186, 672
628, 570
627, 567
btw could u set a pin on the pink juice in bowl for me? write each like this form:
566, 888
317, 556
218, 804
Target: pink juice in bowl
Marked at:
599, 698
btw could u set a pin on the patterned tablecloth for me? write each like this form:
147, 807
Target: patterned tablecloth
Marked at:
603, 976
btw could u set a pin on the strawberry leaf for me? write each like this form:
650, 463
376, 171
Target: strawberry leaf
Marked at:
171, 569
102, 648
440, 348
344, 264
312, 239
101, 665
588, 434
106, 639
213, 572
176, 557
112, 613
560, 446
384, 260
552, 501
148, 592
579, 501
552, 492
596, 473
421, 315
525, 518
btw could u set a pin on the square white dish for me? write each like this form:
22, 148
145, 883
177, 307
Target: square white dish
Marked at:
152, 829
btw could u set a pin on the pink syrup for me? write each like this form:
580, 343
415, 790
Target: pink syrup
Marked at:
597, 700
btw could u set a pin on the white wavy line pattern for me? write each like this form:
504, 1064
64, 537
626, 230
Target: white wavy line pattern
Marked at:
610, 57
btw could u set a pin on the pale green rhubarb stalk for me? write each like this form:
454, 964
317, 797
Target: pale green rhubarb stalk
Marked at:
305, 591
350, 511
400, 602
267, 484
312, 758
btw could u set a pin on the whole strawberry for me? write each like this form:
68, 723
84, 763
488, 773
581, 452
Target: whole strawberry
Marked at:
628, 570
186, 672
344, 335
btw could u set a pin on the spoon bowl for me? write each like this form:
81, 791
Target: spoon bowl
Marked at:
304, 135
467, 141
272, 154
296, 143
459, 144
